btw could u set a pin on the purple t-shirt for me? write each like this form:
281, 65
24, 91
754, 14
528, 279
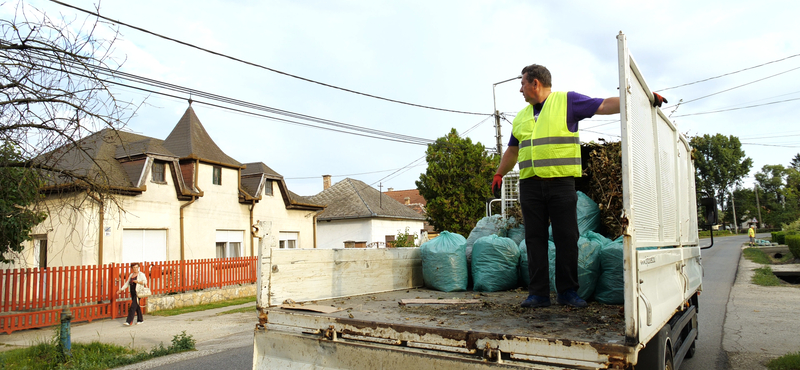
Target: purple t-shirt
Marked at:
579, 107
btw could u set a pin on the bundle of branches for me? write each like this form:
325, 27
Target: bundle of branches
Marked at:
602, 182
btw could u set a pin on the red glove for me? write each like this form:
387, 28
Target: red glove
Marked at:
497, 182
658, 100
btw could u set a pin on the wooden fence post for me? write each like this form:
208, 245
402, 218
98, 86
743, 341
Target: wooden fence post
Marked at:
112, 292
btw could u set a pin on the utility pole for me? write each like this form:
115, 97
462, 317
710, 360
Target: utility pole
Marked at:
758, 207
735, 220
497, 134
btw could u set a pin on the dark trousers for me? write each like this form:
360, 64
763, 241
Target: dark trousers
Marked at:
543, 202
134, 308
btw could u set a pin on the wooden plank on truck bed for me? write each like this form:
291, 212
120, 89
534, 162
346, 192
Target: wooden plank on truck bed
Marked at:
311, 307
438, 301
309, 275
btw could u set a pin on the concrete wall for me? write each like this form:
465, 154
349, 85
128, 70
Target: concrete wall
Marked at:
166, 302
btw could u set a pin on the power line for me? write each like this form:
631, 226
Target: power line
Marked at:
770, 137
259, 65
728, 74
731, 109
732, 88
411, 165
373, 133
775, 145
347, 175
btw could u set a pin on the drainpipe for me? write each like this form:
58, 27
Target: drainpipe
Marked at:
315, 228
252, 248
182, 239
102, 215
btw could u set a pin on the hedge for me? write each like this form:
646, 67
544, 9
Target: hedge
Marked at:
779, 237
793, 241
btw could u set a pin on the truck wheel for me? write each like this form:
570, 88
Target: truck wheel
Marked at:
668, 361
656, 355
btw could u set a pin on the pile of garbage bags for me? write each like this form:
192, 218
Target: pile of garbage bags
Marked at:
494, 258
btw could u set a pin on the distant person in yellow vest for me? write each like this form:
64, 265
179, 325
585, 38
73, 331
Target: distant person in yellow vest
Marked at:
546, 145
752, 234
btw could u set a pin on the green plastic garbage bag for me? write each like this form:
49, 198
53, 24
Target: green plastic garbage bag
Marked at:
524, 277
444, 262
490, 225
588, 214
494, 264
611, 284
589, 248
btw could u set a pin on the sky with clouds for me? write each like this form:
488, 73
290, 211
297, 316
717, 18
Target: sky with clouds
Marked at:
447, 54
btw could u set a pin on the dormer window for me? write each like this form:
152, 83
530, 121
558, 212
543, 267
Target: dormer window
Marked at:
217, 177
268, 188
158, 172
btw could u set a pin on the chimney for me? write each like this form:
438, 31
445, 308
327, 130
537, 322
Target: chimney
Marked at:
326, 182
390, 189
407, 200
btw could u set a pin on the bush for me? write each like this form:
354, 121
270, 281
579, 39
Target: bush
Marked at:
793, 241
405, 239
778, 237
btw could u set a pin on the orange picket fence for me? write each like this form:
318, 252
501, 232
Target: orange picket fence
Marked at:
34, 298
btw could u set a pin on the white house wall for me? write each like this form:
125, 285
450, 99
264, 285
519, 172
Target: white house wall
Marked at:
72, 228
382, 227
71, 235
272, 208
333, 234
217, 209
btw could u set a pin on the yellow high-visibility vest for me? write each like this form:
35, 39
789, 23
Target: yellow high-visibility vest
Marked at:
547, 148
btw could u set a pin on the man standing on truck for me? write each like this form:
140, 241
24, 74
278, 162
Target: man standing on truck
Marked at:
545, 142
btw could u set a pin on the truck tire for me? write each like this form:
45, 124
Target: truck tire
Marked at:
668, 360
657, 354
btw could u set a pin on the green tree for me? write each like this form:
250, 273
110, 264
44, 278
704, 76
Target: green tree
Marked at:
456, 183
720, 163
795, 163
19, 191
779, 205
745, 202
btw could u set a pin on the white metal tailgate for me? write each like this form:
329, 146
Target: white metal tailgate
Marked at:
658, 203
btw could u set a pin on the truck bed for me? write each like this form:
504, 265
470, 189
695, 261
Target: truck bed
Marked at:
498, 314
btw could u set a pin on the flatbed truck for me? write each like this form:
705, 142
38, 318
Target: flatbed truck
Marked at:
366, 309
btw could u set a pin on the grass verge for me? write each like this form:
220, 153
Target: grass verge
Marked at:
789, 361
763, 276
756, 255
91, 356
703, 234
203, 307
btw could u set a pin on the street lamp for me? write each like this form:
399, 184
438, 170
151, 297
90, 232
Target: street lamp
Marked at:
497, 116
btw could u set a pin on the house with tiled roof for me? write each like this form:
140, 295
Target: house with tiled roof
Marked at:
358, 215
174, 199
411, 198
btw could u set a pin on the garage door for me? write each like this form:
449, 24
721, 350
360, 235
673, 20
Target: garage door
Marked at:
140, 245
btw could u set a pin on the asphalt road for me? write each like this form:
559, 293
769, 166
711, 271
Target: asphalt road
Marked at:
237, 358
720, 263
